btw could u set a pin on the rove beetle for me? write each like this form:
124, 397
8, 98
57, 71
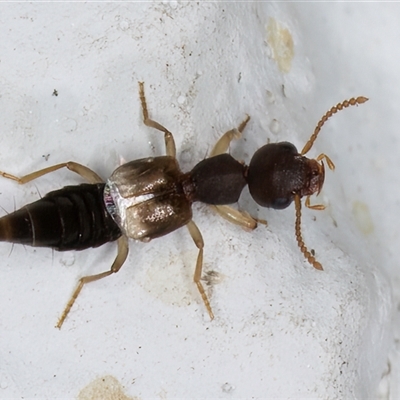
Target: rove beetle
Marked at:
151, 197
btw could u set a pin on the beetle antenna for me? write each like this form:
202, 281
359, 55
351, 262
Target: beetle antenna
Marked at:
310, 258
347, 103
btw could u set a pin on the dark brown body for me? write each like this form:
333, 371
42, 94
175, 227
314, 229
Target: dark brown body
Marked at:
157, 199
218, 180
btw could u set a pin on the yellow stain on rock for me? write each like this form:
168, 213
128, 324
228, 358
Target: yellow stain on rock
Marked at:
104, 388
281, 43
362, 217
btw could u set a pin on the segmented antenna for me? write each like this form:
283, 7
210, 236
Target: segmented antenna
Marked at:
310, 258
347, 103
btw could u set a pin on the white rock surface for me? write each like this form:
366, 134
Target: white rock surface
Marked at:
282, 329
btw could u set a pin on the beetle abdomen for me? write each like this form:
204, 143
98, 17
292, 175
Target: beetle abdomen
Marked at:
72, 218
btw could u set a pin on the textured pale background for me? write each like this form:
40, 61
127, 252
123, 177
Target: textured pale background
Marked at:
282, 329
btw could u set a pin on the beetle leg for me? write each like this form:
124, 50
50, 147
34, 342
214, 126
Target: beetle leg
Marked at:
123, 250
241, 218
80, 169
318, 207
198, 240
168, 137
225, 140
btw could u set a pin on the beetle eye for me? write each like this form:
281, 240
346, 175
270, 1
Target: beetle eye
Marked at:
281, 202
